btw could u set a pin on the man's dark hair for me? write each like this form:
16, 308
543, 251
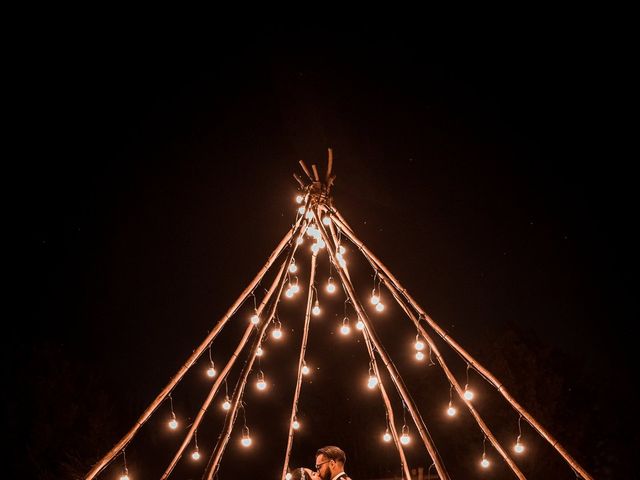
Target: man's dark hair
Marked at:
333, 453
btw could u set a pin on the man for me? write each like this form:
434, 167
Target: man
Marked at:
330, 464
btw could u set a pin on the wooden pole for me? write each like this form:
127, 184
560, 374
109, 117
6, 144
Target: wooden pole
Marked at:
303, 350
223, 374
483, 426
329, 164
231, 416
305, 169
393, 372
315, 172
104, 461
337, 218
383, 391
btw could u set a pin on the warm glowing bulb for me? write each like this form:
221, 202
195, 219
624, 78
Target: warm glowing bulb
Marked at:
261, 384
315, 248
451, 411
288, 476
124, 477
211, 372
226, 405
468, 394
173, 424
345, 330
295, 288
331, 287
312, 231
484, 463
301, 210
387, 436
299, 240
341, 250
296, 425
326, 220
305, 370
316, 309
195, 455
309, 215
380, 307
419, 345
404, 439
259, 352
375, 299
277, 334
255, 319
373, 381
289, 292
519, 448
246, 442
299, 198
419, 356
293, 268
360, 325
321, 243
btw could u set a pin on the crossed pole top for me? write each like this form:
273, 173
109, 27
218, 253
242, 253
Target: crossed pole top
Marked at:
318, 188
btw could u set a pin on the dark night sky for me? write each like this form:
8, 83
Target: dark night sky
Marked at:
485, 174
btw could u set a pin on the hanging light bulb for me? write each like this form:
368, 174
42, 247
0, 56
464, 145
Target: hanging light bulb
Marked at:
372, 382
345, 329
326, 220
321, 243
341, 250
468, 394
261, 383
255, 319
309, 215
125, 474
519, 448
295, 288
211, 372
196, 454
380, 306
419, 344
375, 299
288, 476
451, 411
227, 404
330, 286
315, 248
276, 333
485, 463
305, 369
316, 309
312, 231
387, 436
301, 210
341, 260
299, 240
419, 356
259, 352
299, 198
295, 424
404, 438
246, 438
289, 292
360, 325
173, 423
293, 268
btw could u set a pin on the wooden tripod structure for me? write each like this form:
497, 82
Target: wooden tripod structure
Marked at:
318, 218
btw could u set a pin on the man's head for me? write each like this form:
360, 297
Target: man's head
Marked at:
329, 462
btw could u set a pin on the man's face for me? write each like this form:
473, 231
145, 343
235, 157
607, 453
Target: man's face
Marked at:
323, 467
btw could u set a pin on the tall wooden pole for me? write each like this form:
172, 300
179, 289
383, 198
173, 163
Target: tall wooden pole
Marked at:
237, 397
393, 372
223, 375
303, 350
104, 461
342, 225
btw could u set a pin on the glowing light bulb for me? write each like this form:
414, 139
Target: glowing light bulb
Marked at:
326, 220
293, 268
259, 352
211, 371
289, 292
124, 477
375, 299
372, 382
316, 309
227, 404
405, 439
301, 210
451, 411
468, 394
387, 436
246, 441
312, 231
419, 356
288, 476
255, 319
276, 333
321, 243
261, 383
341, 250
195, 455
173, 423
360, 325
485, 463
315, 248
295, 288
330, 286
419, 345
305, 370
309, 215
296, 424
299, 198
519, 448
345, 329
299, 240
380, 306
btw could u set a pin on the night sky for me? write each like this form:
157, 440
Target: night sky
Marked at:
485, 174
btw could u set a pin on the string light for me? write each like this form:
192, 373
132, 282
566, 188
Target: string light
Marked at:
299, 198
173, 423
341, 250
519, 447
299, 240
305, 369
301, 210
295, 287
293, 268
405, 438
419, 356
315, 248
386, 436
373, 380
326, 220
261, 383
309, 215
451, 411
485, 462
255, 319
468, 393
419, 345
226, 404
125, 471
375, 299
246, 438
288, 476
331, 288
360, 325
295, 424
259, 352
196, 454
211, 371
316, 308
276, 333
345, 329
289, 292
380, 306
